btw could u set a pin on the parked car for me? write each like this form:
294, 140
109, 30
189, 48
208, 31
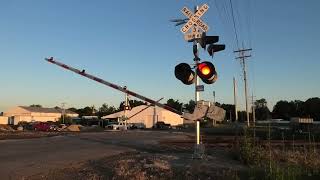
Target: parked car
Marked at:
161, 125
54, 127
41, 126
26, 125
137, 126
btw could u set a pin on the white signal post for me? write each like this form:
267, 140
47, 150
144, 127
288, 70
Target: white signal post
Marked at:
197, 98
198, 27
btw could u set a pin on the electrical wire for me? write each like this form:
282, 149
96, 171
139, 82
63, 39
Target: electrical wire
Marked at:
234, 24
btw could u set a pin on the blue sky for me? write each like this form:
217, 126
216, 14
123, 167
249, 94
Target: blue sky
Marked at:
133, 43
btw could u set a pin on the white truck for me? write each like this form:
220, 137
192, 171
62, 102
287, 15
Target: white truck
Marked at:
118, 126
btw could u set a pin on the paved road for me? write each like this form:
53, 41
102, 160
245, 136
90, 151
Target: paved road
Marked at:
21, 158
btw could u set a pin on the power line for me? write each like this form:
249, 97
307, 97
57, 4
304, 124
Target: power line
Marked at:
223, 17
250, 21
234, 24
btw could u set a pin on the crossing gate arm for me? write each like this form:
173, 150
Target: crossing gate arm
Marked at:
114, 86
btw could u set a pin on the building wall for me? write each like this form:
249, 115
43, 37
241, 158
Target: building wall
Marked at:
35, 118
169, 117
148, 119
19, 114
3, 120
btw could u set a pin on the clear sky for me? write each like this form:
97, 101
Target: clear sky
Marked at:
133, 43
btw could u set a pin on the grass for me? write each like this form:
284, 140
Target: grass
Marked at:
276, 163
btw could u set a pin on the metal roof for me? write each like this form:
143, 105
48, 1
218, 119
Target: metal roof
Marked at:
133, 111
46, 110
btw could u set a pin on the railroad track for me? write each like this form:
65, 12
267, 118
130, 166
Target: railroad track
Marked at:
229, 141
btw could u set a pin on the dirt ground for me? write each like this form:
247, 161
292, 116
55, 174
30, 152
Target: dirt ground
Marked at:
113, 155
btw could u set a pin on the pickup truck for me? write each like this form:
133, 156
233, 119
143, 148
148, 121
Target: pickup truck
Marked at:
118, 126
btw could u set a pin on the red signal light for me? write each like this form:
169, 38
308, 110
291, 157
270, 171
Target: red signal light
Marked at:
204, 69
207, 72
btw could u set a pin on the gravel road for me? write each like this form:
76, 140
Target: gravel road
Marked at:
81, 155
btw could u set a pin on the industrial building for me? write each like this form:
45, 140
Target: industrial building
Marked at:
149, 116
28, 114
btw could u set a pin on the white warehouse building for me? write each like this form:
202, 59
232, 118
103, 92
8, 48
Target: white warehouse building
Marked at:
28, 114
149, 116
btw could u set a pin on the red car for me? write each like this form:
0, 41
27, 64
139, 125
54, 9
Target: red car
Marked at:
41, 126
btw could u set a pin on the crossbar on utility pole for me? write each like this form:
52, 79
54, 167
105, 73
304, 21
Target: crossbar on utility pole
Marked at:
243, 57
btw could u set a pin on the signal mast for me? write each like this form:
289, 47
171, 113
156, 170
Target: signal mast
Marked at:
203, 70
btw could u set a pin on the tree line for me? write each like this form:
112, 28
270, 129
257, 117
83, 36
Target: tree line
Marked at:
282, 110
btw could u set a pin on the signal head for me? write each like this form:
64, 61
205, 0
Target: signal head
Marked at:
215, 48
207, 72
184, 73
205, 40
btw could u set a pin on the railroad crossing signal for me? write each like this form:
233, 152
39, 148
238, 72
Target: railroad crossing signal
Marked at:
215, 48
194, 19
210, 40
195, 34
184, 73
205, 70
205, 40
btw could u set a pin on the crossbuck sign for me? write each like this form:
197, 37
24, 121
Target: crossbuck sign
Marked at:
194, 19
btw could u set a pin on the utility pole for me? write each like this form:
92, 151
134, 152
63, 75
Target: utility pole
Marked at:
214, 97
253, 110
63, 111
235, 99
93, 110
126, 107
243, 58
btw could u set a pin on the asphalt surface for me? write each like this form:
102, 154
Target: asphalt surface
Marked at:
26, 157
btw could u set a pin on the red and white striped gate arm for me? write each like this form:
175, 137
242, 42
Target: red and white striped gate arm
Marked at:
114, 86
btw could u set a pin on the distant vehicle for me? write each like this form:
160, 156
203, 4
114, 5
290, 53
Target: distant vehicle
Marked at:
62, 126
137, 126
118, 126
41, 126
162, 125
110, 125
53, 127
181, 126
27, 125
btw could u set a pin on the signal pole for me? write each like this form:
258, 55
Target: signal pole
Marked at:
235, 99
243, 58
253, 110
197, 93
206, 72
